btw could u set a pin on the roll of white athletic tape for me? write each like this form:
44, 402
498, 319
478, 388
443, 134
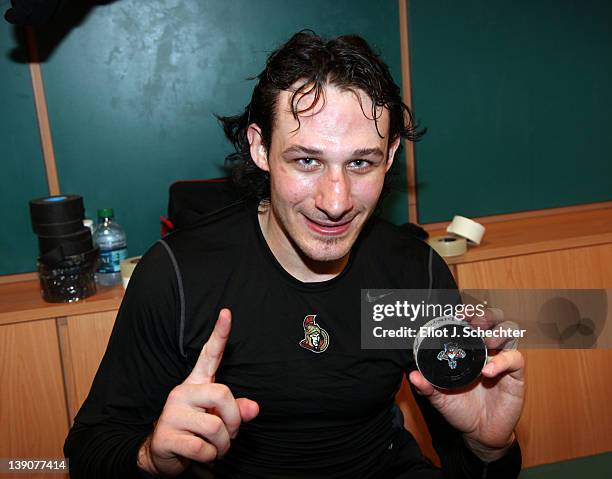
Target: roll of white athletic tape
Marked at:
466, 228
127, 268
448, 245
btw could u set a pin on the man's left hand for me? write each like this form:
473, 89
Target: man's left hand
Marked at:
487, 411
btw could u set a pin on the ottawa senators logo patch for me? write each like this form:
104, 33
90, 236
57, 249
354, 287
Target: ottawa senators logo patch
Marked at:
316, 338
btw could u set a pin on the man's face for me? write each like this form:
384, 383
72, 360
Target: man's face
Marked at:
326, 174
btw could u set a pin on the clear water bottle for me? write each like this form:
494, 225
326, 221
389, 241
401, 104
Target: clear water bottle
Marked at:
111, 240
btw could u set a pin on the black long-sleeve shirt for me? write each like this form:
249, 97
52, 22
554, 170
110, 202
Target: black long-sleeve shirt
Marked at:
328, 414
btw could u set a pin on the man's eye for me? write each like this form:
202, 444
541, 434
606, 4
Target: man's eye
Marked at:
359, 164
307, 163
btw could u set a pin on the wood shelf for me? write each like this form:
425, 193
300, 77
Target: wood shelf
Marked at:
22, 301
538, 234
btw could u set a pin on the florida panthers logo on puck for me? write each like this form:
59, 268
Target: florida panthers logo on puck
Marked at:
451, 353
316, 338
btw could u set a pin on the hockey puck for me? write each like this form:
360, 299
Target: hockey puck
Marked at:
446, 356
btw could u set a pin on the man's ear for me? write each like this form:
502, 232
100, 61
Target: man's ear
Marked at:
392, 150
257, 148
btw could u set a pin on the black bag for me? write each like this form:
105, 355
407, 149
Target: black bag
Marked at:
190, 201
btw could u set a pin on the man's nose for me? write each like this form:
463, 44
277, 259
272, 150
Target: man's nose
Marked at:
334, 194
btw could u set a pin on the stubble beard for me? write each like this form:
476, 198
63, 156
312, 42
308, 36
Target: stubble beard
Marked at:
309, 245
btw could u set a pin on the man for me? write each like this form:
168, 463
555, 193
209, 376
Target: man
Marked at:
278, 385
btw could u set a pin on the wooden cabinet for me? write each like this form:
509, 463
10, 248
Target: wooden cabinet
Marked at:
568, 397
568, 403
33, 415
586, 267
32, 402
84, 339
49, 354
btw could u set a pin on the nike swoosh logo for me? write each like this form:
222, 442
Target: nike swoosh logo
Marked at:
372, 299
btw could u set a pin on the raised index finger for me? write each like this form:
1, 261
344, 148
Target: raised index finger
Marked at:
206, 366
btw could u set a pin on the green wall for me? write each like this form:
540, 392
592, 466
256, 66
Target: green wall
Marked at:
132, 90
23, 174
517, 97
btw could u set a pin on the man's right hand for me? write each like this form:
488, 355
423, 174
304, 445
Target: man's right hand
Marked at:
200, 417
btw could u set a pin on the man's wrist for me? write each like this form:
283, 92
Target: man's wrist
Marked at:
143, 461
486, 453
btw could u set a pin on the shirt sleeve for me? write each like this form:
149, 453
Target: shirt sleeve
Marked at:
456, 458
141, 365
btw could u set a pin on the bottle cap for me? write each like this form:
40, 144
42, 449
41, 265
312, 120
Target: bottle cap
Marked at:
105, 213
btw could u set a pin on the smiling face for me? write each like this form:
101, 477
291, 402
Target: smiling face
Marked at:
326, 176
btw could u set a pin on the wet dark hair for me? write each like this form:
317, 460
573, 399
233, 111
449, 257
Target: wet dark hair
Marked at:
346, 62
